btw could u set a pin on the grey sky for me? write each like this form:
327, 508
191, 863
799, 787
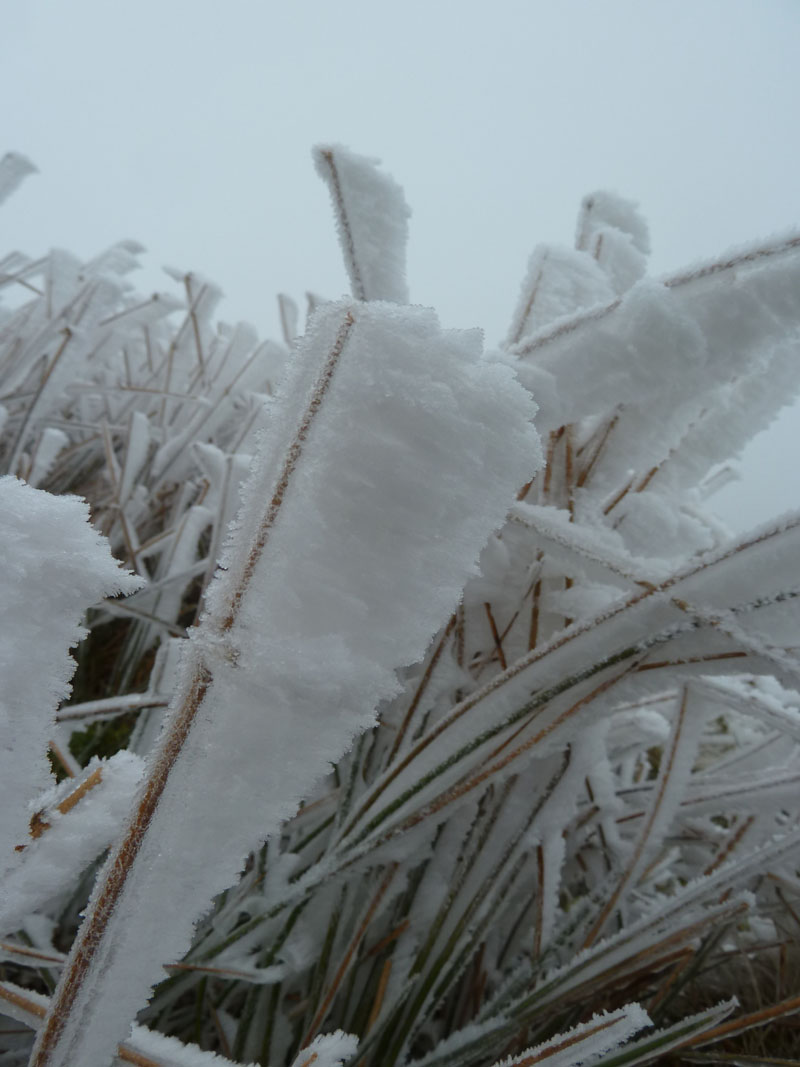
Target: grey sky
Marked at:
187, 125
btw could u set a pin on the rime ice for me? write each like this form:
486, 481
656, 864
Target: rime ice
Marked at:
54, 566
389, 435
372, 219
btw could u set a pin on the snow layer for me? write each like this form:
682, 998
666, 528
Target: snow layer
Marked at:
673, 347
583, 1044
54, 567
76, 834
393, 453
327, 1050
672, 340
559, 282
611, 229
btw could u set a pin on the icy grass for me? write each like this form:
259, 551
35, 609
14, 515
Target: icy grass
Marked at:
455, 748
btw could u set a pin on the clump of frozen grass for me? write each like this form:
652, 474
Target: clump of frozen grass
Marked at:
397, 802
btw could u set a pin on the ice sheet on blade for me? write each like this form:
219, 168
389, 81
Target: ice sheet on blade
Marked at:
586, 1042
537, 692
709, 426
236, 368
119, 258
643, 347
327, 1050
50, 443
150, 1046
751, 571
657, 430
756, 792
662, 525
54, 567
762, 698
429, 408
606, 210
657, 1043
394, 452
584, 763
372, 220
613, 232
559, 281
600, 554
677, 761
681, 628
734, 413
138, 446
68, 340
583, 1044
79, 820
619, 258
667, 347
143, 313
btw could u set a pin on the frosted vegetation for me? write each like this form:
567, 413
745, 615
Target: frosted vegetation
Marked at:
409, 724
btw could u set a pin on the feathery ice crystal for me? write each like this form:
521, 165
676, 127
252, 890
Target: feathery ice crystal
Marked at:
419, 736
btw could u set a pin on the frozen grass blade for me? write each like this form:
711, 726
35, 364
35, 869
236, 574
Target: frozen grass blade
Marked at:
585, 1043
316, 497
372, 220
653, 1047
46, 592
146, 1048
577, 758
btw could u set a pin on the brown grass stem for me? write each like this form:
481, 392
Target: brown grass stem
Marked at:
356, 279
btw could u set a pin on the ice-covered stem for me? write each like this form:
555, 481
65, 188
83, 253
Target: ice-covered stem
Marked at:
148, 1048
232, 602
394, 450
584, 320
372, 220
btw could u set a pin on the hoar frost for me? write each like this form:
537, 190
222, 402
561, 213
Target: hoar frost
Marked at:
55, 566
560, 802
341, 565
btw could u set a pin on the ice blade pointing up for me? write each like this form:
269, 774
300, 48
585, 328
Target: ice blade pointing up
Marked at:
393, 452
372, 221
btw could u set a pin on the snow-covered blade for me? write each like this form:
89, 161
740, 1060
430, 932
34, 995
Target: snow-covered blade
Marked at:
653, 1046
327, 1050
338, 572
372, 221
145, 1046
559, 282
613, 232
671, 343
55, 566
583, 1045
71, 826
542, 697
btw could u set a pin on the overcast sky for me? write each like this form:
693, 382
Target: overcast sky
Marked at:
187, 125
